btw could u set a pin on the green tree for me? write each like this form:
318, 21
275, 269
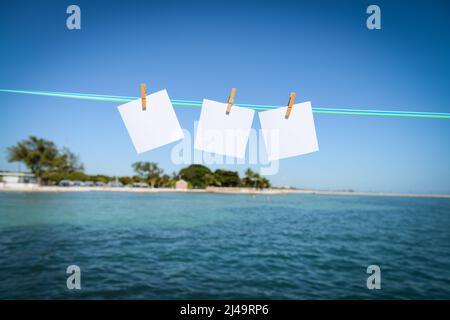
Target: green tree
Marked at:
227, 178
149, 171
77, 176
101, 178
137, 179
263, 183
44, 159
166, 181
254, 180
65, 166
126, 180
37, 154
68, 162
195, 175
211, 179
250, 178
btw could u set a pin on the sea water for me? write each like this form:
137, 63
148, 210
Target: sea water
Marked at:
213, 246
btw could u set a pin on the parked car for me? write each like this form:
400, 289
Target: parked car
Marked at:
65, 183
100, 184
115, 184
88, 184
78, 183
140, 185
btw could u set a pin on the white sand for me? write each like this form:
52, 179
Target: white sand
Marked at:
36, 188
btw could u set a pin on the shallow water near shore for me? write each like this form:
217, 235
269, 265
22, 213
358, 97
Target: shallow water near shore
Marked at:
218, 246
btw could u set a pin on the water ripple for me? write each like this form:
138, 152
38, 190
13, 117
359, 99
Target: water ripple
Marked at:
201, 246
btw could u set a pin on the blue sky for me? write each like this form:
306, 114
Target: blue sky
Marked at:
200, 49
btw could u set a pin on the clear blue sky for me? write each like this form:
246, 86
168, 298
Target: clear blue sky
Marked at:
266, 49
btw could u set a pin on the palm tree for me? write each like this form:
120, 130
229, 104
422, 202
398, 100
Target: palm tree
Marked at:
250, 178
43, 158
254, 180
149, 171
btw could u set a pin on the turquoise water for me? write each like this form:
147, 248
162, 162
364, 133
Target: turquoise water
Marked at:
209, 246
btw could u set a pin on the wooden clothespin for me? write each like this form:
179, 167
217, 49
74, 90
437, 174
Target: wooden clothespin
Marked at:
290, 103
144, 96
231, 99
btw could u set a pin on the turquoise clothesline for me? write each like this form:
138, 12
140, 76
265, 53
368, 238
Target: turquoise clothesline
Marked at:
188, 103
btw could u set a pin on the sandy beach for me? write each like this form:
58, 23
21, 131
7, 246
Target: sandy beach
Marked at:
273, 191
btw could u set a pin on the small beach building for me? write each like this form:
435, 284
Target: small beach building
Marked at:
181, 185
17, 180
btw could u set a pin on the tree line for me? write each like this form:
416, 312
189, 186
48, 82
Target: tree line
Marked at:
52, 165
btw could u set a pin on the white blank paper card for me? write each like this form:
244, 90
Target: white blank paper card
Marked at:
295, 136
222, 133
154, 127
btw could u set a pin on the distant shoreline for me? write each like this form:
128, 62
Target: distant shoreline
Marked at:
58, 189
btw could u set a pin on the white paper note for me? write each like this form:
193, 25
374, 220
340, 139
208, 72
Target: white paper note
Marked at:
154, 127
221, 133
290, 137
